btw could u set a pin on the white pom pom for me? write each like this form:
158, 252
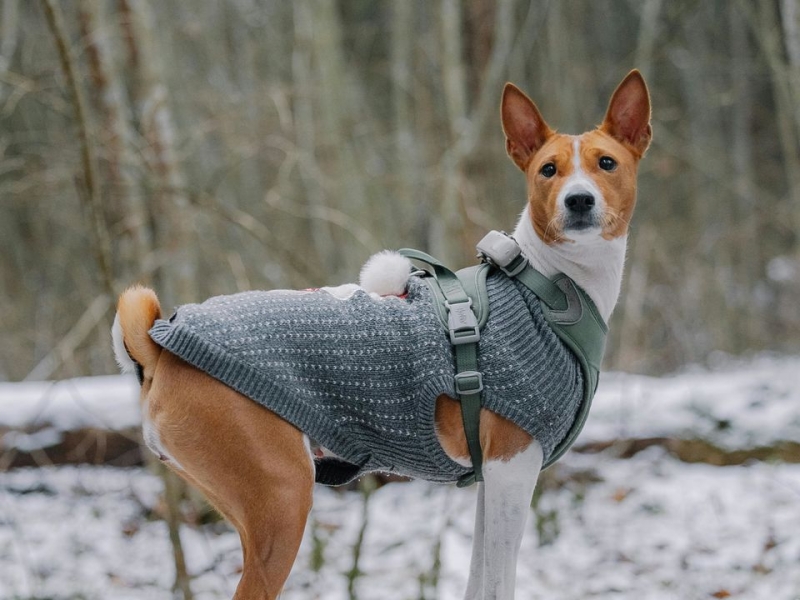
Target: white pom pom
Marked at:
386, 273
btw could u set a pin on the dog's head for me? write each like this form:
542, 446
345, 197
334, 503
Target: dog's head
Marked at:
580, 187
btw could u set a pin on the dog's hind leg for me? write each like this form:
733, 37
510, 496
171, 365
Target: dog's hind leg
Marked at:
254, 467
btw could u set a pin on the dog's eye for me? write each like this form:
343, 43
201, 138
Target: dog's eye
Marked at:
607, 163
548, 170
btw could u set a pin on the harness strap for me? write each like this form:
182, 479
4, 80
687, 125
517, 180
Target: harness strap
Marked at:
503, 252
469, 385
464, 329
567, 308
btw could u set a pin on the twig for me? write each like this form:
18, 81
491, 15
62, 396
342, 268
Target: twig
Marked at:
368, 485
328, 214
300, 266
65, 348
492, 76
317, 558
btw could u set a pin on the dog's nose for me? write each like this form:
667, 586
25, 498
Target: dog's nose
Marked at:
579, 203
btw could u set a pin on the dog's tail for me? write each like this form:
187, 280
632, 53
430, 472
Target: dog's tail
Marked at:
137, 310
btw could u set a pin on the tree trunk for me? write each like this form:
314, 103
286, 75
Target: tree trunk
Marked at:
176, 274
170, 211
91, 184
305, 131
450, 241
124, 195
446, 231
402, 59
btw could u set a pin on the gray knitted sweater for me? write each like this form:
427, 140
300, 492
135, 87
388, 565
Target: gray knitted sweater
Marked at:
361, 375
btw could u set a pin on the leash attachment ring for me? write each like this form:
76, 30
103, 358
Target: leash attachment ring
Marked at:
502, 251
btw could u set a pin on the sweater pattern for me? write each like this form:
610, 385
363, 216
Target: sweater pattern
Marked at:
361, 375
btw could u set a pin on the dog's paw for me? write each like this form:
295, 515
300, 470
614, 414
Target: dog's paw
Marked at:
386, 273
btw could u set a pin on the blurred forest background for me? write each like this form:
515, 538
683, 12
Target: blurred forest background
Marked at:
209, 147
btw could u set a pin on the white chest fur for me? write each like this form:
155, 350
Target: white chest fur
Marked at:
591, 261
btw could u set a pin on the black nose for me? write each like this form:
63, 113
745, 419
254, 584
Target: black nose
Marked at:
580, 203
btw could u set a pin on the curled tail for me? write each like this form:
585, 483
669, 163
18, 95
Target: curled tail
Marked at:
137, 310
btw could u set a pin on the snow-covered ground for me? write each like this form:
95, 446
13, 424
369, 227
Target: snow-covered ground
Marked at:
650, 529
647, 528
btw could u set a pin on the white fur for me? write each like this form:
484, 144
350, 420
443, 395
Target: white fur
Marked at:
591, 261
124, 360
152, 439
386, 274
149, 431
503, 505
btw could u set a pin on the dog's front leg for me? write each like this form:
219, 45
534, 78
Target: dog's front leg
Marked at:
505, 498
477, 562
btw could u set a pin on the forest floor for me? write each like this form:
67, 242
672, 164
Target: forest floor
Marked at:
626, 517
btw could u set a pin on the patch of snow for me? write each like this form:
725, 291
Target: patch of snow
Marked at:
107, 402
647, 528
782, 269
734, 407
27, 442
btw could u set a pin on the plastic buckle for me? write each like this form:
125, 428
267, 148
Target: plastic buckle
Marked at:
462, 323
469, 382
502, 251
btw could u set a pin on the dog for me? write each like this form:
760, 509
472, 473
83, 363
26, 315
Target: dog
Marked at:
257, 467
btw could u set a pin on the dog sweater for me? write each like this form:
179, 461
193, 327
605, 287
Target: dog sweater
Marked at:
360, 375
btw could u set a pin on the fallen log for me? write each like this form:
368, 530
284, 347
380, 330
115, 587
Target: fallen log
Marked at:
696, 450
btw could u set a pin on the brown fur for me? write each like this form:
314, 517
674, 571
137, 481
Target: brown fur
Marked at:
138, 308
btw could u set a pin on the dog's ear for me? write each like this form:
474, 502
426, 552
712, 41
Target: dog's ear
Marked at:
628, 115
525, 129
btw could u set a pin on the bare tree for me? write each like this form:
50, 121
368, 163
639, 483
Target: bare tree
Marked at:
123, 194
171, 212
269, 144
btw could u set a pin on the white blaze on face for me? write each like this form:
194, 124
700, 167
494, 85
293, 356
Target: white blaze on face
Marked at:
579, 182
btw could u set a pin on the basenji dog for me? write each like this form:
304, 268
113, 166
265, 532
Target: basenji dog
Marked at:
258, 469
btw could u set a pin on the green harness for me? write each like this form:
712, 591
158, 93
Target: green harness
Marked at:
463, 308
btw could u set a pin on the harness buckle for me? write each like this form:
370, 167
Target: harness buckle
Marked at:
462, 323
502, 251
469, 382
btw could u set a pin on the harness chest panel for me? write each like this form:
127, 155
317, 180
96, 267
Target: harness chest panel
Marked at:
361, 375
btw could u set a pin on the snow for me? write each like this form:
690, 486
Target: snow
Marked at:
109, 402
652, 529
738, 406
646, 528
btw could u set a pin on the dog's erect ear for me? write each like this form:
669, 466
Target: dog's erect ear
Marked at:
525, 129
628, 115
